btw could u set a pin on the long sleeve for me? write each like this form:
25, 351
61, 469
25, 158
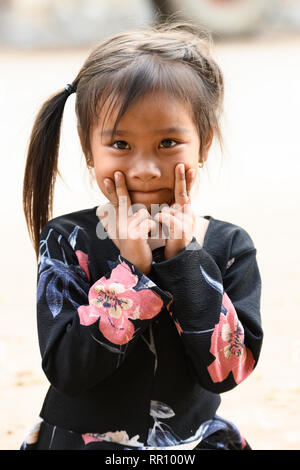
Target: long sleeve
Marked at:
86, 331
217, 314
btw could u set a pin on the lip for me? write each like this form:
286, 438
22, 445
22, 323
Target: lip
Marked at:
145, 192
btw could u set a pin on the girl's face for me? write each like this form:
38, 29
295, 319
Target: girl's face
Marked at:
153, 136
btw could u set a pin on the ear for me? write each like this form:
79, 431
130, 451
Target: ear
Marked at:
207, 145
88, 157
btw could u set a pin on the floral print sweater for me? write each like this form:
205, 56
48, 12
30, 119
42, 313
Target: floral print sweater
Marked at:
143, 357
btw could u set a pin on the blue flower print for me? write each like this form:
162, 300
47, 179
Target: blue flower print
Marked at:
56, 278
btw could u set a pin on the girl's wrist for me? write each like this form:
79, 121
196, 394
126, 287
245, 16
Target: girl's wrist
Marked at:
173, 249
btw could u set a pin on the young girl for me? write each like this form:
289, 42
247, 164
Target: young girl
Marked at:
146, 310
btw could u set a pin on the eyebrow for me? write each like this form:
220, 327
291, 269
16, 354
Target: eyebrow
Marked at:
157, 131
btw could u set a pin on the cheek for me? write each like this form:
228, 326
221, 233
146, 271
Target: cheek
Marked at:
189, 163
101, 172
189, 155
104, 169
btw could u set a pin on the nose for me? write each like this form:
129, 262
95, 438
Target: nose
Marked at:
144, 169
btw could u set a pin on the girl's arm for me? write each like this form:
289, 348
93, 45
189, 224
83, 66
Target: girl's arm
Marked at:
86, 331
217, 317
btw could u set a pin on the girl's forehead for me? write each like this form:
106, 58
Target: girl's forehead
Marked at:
160, 102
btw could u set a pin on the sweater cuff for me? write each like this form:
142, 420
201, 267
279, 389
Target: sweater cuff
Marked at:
182, 256
144, 282
188, 271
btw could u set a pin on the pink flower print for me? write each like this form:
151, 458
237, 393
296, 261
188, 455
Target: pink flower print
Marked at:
91, 437
120, 437
170, 301
176, 323
227, 345
178, 327
114, 301
244, 443
83, 262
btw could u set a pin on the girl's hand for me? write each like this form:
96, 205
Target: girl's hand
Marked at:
179, 219
128, 232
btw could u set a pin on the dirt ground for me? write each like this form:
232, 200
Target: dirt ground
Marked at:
254, 186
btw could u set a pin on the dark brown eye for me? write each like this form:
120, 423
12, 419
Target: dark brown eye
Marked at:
122, 142
168, 142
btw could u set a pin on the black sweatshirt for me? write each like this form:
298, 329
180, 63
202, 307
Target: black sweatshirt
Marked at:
145, 355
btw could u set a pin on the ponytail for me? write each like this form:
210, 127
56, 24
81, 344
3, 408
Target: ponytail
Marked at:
41, 165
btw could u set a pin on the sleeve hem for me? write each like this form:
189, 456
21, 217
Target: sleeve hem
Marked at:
192, 246
147, 282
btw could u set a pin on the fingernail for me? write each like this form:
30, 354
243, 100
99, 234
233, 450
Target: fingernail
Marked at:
107, 185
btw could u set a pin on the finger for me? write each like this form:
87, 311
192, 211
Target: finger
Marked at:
107, 216
168, 210
180, 190
147, 226
111, 193
156, 229
190, 179
162, 226
178, 226
184, 214
180, 210
136, 221
138, 216
173, 225
185, 210
122, 193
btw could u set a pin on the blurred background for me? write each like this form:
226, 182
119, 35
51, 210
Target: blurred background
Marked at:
254, 183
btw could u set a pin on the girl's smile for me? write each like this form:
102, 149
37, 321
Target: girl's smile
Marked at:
154, 135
